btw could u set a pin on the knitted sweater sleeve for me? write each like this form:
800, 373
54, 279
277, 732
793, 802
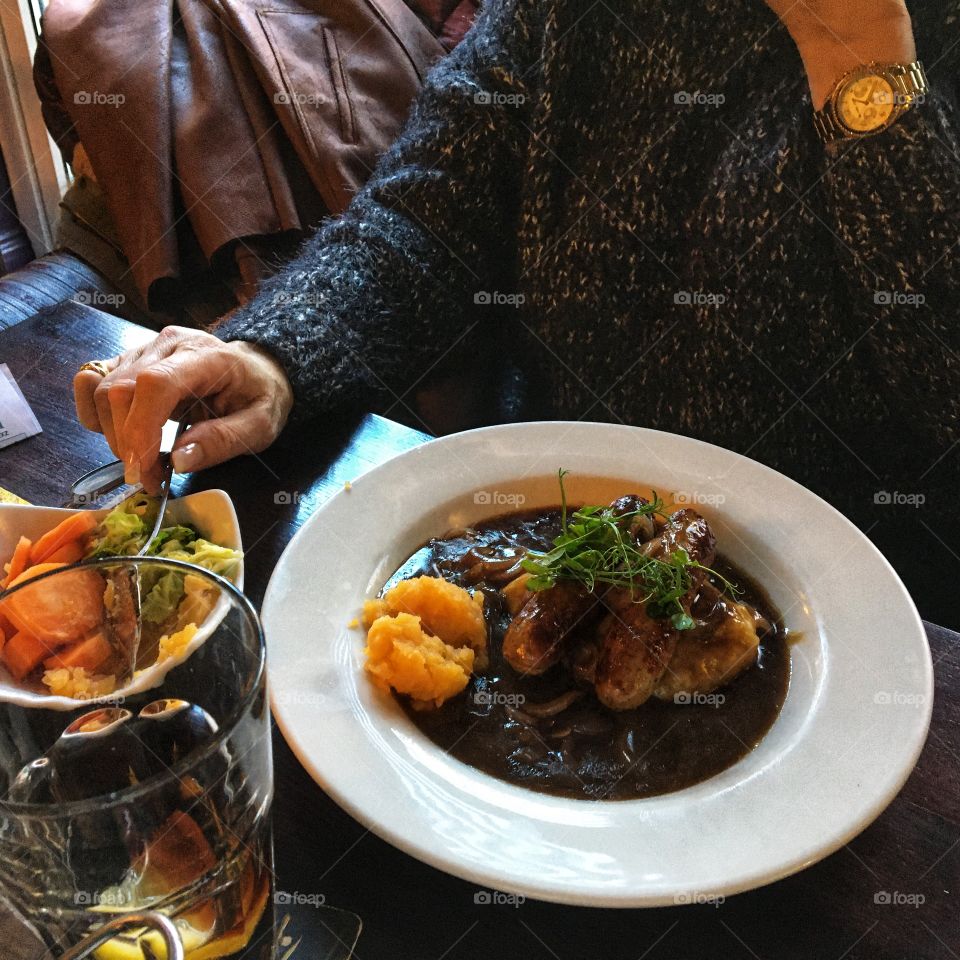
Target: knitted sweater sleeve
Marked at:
380, 295
893, 205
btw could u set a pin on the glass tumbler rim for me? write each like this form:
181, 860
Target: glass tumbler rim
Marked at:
46, 811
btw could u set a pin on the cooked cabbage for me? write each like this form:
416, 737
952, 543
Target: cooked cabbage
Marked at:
124, 531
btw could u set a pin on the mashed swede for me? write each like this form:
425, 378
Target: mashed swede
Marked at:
446, 610
425, 637
78, 684
402, 655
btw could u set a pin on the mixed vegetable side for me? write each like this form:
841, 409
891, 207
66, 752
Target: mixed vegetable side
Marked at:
59, 623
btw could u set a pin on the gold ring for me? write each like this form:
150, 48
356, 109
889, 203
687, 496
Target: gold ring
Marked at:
97, 366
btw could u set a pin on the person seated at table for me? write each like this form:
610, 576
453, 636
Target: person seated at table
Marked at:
632, 201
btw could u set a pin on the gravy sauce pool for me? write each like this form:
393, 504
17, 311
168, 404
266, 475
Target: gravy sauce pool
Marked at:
586, 751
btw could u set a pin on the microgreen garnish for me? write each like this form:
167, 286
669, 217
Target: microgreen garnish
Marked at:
595, 547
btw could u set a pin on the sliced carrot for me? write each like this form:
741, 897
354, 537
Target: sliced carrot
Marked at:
68, 553
77, 525
3, 638
23, 653
5, 619
34, 571
89, 653
58, 610
20, 559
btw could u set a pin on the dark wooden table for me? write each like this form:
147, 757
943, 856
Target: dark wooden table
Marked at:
409, 910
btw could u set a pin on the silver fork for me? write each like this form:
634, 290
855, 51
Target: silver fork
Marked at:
167, 462
92, 486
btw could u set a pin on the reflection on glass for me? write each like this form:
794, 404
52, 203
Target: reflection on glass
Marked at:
156, 801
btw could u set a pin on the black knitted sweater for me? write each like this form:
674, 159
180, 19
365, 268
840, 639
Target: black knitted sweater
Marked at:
629, 200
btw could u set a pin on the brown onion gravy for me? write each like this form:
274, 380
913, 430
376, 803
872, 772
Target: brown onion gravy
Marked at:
586, 750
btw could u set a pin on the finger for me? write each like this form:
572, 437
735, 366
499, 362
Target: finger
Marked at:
216, 441
150, 478
120, 394
126, 365
186, 412
84, 384
151, 475
101, 400
162, 389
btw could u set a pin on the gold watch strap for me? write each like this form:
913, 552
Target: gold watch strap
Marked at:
909, 82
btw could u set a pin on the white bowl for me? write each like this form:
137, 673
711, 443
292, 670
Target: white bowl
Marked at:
850, 731
211, 512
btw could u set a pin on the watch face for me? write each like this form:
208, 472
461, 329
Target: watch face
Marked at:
865, 103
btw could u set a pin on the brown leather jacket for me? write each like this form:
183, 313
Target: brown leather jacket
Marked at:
221, 130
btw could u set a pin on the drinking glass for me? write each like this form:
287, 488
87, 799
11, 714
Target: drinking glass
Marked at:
153, 802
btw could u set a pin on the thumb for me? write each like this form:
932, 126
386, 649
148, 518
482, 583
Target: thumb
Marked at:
214, 441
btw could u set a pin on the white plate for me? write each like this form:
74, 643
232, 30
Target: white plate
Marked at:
211, 512
851, 729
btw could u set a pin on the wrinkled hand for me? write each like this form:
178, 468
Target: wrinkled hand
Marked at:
834, 36
236, 397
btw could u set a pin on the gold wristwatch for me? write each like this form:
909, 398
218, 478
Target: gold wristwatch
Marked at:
869, 99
